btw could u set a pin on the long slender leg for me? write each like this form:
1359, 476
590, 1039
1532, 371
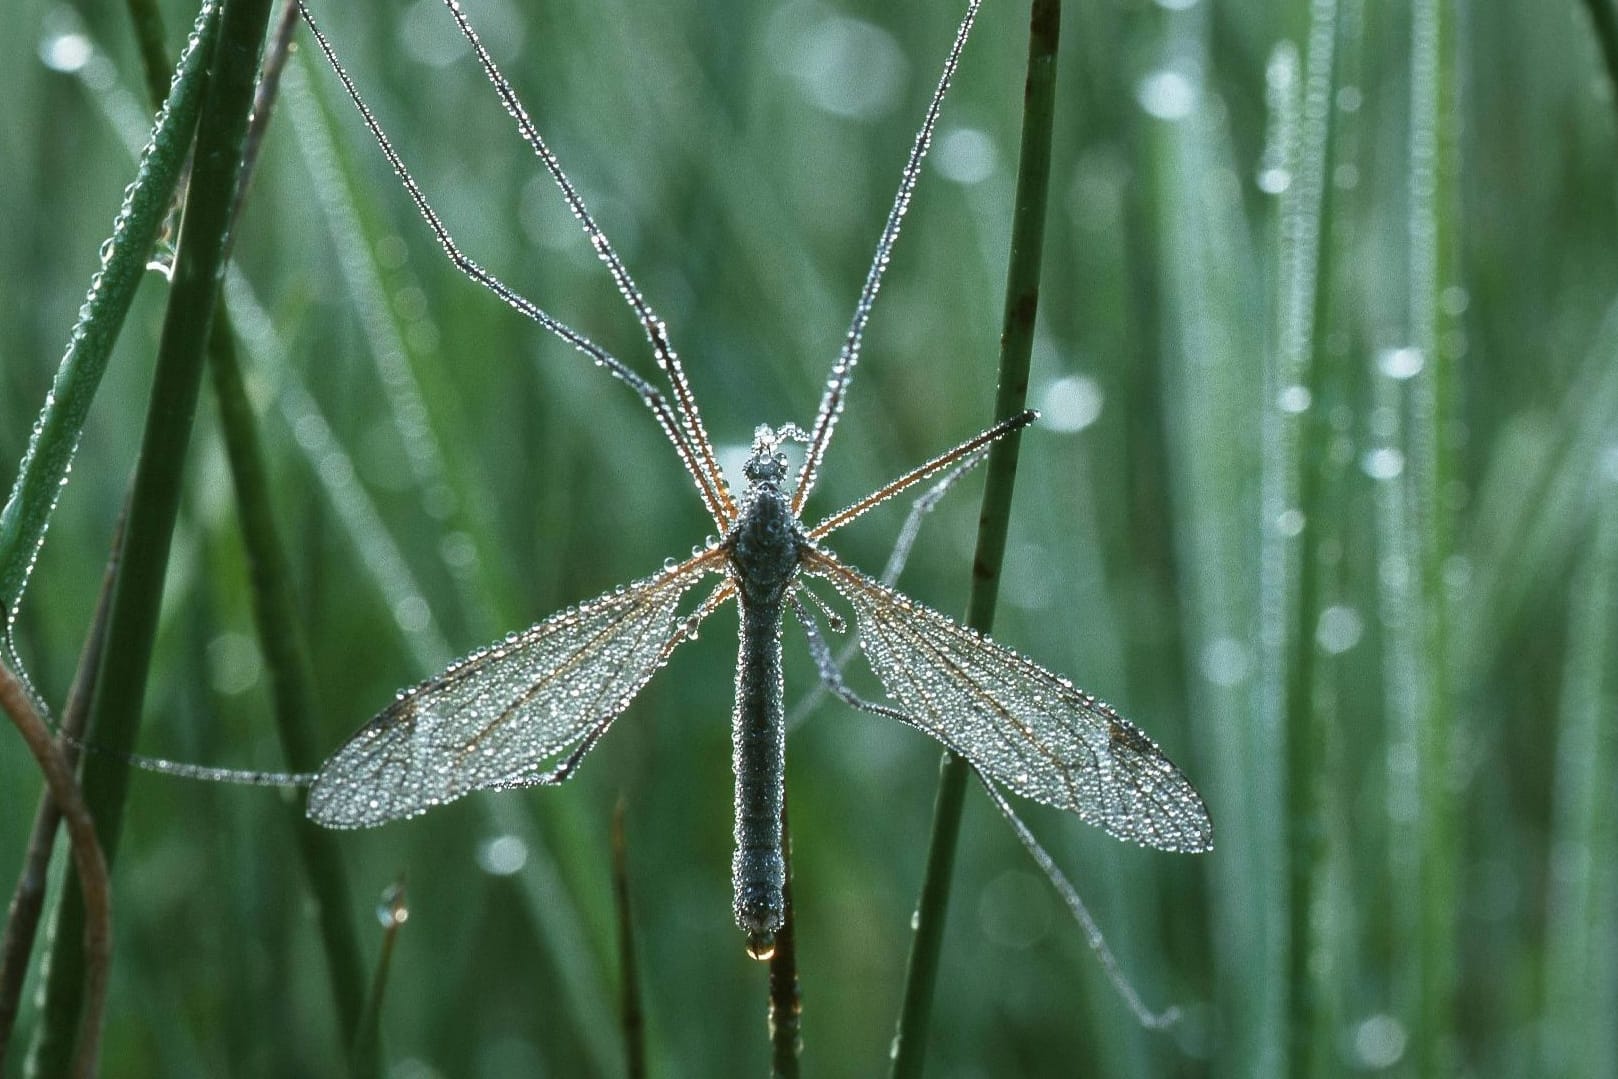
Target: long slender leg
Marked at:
832, 677
899, 557
921, 472
656, 331
895, 565
709, 484
842, 372
1081, 914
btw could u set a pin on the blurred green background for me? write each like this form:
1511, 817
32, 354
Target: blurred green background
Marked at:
1323, 499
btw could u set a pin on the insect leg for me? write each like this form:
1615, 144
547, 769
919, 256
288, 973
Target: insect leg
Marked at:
1092, 933
656, 332
919, 509
938, 464
842, 372
832, 677
709, 486
831, 673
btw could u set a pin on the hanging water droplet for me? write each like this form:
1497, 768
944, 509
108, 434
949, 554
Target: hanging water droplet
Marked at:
392, 910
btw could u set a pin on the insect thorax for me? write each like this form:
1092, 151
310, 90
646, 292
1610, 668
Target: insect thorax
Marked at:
766, 543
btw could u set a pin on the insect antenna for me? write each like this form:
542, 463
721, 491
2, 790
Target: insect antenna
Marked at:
656, 330
842, 372
709, 484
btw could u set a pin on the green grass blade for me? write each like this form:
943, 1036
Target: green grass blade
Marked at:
1604, 18
271, 585
1016, 349
1580, 979
415, 394
631, 1008
88, 862
147, 21
545, 891
392, 911
1432, 234
785, 987
45, 465
1294, 517
1213, 341
29, 895
116, 708
281, 641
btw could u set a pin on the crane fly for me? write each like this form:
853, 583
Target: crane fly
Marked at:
523, 712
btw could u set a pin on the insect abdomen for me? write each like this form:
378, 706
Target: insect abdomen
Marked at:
758, 732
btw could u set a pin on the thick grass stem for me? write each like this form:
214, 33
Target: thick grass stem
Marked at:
1016, 350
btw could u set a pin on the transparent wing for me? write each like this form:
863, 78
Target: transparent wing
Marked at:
500, 716
1019, 724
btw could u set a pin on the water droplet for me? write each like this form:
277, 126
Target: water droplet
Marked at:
1014, 911
336, 470
1070, 404
1383, 464
761, 946
1225, 661
1167, 95
1379, 1042
1274, 180
458, 550
67, 52
234, 663
1294, 399
966, 155
844, 66
1338, 629
412, 614
503, 855
391, 909
1400, 363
